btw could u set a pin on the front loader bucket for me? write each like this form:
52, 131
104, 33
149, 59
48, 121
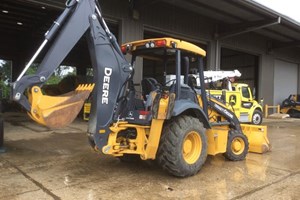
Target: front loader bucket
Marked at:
257, 137
57, 111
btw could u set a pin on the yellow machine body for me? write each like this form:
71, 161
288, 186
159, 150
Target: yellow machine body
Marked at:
147, 140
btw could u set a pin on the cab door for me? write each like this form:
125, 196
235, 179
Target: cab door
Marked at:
246, 104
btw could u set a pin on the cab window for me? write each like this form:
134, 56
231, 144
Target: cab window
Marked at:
245, 92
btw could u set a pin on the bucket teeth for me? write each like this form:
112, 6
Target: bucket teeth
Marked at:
88, 87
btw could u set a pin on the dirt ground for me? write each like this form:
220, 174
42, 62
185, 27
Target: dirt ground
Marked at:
40, 163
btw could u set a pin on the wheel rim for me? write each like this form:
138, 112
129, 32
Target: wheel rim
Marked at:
256, 118
192, 146
237, 146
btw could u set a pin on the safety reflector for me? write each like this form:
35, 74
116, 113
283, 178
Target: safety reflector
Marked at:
143, 114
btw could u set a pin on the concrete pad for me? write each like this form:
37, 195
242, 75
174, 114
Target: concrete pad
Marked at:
278, 116
59, 164
13, 182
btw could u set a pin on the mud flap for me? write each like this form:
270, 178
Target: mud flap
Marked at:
257, 137
57, 111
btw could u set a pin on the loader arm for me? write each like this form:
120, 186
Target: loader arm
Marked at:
109, 66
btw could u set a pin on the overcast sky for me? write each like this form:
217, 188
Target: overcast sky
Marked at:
290, 8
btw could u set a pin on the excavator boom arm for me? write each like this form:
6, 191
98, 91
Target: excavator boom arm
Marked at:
71, 30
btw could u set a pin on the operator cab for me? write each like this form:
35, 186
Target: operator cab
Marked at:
171, 59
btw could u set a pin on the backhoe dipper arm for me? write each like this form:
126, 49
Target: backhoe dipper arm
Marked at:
72, 30
111, 70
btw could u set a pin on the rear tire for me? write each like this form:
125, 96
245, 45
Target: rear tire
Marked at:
237, 146
257, 117
183, 146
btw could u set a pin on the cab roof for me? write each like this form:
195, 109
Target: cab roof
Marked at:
166, 42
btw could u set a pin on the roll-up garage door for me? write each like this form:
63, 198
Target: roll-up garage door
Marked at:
285, 80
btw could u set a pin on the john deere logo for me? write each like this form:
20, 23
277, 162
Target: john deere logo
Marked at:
105, 87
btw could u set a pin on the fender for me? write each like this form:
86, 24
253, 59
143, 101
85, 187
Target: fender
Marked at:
183, 105
253, 108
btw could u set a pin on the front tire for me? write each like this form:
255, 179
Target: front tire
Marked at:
183, 146
237, 146
257, 117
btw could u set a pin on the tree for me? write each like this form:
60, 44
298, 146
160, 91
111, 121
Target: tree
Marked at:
5, 76
59, 73
6, 71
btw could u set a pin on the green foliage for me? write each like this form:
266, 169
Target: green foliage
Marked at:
32, 69
5, 74
61, 72
54, 80
89, 72
6, 71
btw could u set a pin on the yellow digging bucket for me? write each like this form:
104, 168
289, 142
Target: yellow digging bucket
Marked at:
57, 111
257, 137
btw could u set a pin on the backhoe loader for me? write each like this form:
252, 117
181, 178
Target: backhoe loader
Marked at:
171, 122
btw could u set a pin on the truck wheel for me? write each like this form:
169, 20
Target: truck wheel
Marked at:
183, 146
257, 117
237, 146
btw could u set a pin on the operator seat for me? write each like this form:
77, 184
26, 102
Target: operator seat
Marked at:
192, 82
148, 85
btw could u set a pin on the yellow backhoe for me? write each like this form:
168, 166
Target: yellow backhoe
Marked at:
171, 122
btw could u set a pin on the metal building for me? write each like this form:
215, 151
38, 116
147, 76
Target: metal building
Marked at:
263, 44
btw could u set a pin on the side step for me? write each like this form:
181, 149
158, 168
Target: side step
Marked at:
220, 123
